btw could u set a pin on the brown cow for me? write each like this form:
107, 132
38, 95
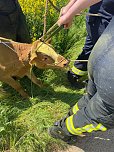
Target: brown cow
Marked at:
16, 60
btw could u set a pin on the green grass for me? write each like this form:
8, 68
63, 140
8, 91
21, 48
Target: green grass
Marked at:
24, 123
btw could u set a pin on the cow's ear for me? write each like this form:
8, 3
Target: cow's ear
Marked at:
32, 62
32, 58
35, 55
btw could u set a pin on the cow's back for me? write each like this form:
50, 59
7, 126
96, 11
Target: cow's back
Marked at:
9, 60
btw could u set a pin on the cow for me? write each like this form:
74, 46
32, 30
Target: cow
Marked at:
16, 60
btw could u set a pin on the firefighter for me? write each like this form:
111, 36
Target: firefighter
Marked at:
95, 25
12, 22
95, 110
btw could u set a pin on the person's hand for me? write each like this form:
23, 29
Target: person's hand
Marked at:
65, 20
63, 11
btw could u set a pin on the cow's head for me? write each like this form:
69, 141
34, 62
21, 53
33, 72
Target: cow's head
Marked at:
43, 56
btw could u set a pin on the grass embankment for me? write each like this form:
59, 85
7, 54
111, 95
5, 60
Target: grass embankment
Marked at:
24, 123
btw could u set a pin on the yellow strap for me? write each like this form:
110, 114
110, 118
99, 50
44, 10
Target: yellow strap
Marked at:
70, 126
78, 72
75, 108
88, 128
101, 127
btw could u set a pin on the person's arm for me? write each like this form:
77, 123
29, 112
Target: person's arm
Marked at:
71, 2
76, 8
79, 6
67, 7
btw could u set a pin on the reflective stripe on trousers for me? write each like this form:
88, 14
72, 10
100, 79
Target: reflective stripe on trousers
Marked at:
87, 128
75, 108
78, 72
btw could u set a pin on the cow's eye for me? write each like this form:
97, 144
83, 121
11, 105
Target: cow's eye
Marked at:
45, 58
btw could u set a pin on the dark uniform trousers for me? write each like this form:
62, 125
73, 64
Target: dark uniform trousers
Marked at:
95, 26
12, 22
95, 110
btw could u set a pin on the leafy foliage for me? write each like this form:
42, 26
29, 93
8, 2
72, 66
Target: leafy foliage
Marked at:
34, 11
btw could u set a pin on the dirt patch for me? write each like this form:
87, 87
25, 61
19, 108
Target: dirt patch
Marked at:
72, 149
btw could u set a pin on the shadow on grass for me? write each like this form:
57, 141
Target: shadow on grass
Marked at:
64, 93
70, 96
12, 98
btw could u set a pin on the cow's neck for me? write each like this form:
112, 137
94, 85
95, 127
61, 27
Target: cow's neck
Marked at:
23, 50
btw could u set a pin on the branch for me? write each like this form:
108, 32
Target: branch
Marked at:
55, 7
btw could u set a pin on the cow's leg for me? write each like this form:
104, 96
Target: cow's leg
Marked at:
16, 85
34, 79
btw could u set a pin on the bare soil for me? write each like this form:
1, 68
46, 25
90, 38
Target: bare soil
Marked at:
72, 149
